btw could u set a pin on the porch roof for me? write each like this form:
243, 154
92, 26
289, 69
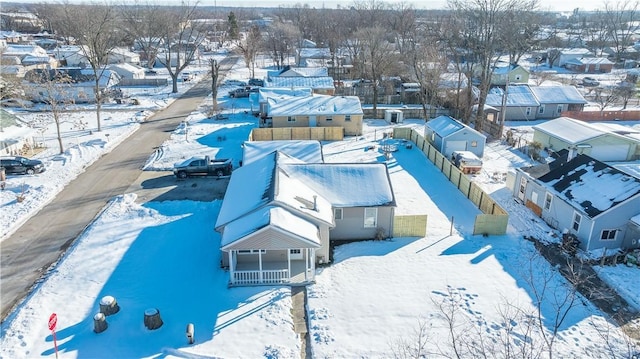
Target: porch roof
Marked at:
286, 230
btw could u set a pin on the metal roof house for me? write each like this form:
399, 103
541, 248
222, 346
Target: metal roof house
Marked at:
317, 111
584, 138
447, 134
279, 215
587, 198
520, 104
553, 100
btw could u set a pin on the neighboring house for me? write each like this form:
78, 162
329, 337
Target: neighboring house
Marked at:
280, 214
277, 93
584, 197
127, 71
317, 55
322, 85
554, 100
289, 71
584, 138
520, 102
590, 65
81, 89
515, 73
447, 134
121, 55
70, 56
562, 56
172, 58
15, 135
24, 50
309, 151
318, 111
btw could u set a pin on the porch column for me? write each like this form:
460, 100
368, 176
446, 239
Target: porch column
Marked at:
260, 263
306, 264
313, 262
289, 264
231, 267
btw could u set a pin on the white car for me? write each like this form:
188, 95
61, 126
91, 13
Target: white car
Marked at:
590, 81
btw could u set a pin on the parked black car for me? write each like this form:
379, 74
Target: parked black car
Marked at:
198, 166
21, 165
256, 82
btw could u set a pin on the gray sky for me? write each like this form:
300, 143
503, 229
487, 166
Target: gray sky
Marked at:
555, 5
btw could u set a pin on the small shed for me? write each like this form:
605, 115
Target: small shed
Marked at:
393, 116
447, 134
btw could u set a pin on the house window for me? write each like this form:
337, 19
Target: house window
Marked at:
294, 251
541, 109
608, 234
528, 111
547, 201
291, 119
474, 143
559, 109
347, 118
576, 221
370, 217
329, 118
518, 77
337, 213
252, 251
534, 197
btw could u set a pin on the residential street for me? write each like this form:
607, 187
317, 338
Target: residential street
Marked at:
43, 239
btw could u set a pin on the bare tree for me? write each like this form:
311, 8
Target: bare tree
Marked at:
402, 21
249, 47
604, 97
215, 79
144, 23
621, 18
415, 346
481, 20
280, 41
181, 38
596, 33
429, 66
379, 56
52, 87
94, 28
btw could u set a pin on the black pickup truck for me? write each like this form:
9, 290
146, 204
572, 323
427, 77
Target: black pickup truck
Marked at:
203, 166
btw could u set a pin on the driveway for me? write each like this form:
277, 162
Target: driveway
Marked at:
42, 240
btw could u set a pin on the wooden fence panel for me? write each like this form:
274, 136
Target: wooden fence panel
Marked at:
300, 133
410, 226
475, 194
489, 224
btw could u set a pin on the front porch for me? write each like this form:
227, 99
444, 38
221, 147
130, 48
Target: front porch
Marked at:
269, 267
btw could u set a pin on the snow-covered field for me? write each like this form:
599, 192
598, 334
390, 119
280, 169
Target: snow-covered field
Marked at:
371, 302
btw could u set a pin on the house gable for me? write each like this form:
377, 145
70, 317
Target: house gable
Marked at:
591, 186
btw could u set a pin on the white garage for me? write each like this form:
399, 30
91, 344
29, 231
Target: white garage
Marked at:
606, 153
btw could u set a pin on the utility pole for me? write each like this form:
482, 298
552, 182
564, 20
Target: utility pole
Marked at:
503, 108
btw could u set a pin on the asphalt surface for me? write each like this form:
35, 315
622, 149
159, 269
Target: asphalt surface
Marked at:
26, 256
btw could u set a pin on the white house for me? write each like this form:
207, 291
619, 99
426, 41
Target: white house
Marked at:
279, 215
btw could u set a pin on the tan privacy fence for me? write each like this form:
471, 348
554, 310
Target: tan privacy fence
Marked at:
494, 218
410, 226
297, 133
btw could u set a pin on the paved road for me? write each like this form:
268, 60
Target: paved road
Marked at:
43, 239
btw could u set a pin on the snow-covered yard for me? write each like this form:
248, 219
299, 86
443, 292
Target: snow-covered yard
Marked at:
371, 302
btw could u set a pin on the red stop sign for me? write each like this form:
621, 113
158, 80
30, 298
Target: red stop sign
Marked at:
53, 320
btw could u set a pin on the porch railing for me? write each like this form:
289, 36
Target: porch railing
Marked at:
253, 277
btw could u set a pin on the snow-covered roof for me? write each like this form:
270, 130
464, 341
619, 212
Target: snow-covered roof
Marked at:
558, 94
517, 95
21, 50
321, 82
304, 72
505, 69
569, 130
347, 184
276, 217
261, 183
315, 105
283, 92
575, 51
452, 80
590, 61
315, 52
591, 185
308, 151
445, 125
126, 67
